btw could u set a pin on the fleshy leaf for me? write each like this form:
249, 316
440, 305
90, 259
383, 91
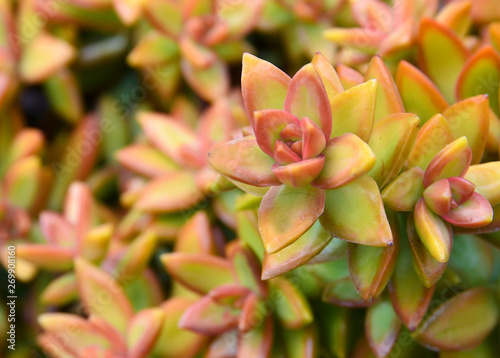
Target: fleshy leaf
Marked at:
283, 154
94, 245
442, 56
409, 297
448, 328
346, 159
382, 326
143, 159
427, 268
456, 16
182, 343
242, 160
57, 324
278, 226
22, 182
137, 256
452, 161
343, 293
263, 85
301, 343
209, 83
328, 75
471, 118
169, 193
419, 94
196, 236
434, 232
167, 134
37, 64
438, 197
65, 96
56, 230
293, 309
355, 213
246, 269
143, 331
153, 49
392, 141
353, 111
268, 125
313, 140
258, 341
434, 135
370, 267
479, 75
102, 295
486, 178
299, 174
461, 189
208, 317
349, 77
301, 251
60, 291
388, 98
199, 272
307, 97
240, 17
403, 192
474, 213
158, 10
48, 257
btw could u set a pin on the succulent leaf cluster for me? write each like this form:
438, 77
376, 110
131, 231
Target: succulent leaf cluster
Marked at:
250, 178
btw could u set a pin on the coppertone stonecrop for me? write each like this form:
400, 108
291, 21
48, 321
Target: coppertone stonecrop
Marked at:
358, 215
310, 146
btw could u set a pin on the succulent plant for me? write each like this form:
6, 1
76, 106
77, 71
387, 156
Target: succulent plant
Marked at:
339, 199
195, 39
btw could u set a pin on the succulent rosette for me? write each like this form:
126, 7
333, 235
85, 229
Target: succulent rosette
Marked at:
237, 303
440, 197
119, 323
302, 19
196, 39
314, 145
172, 163
384, 29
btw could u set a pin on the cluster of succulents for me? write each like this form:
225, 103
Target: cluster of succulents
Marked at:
250, 178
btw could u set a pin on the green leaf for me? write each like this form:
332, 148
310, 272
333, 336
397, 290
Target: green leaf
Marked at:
370, 267
280, 227
292, 307
346, 159
388, 98
403, 192
382, 326
471, 118
480, 76
461, 322
353, 111
419, 94
392, 141
198, 272
409, 297
432, 137
310, 244
442, 55
355, 213
169, 193
102, 295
